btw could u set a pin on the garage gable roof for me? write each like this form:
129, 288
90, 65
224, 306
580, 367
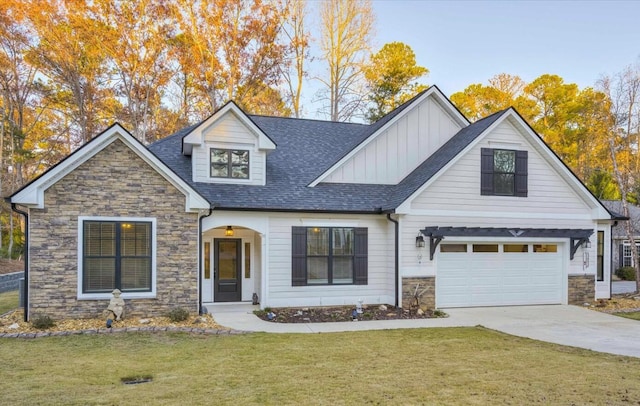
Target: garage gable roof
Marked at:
470, 136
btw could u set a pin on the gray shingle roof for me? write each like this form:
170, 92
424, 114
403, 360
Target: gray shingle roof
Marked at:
615, 208
306, 148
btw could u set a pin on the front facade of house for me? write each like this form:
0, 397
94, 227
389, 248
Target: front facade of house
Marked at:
294, 212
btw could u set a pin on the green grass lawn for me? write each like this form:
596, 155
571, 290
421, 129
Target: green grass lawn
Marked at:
470, 366
629, 315
8, 301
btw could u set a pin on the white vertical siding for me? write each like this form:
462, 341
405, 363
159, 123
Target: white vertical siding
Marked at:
397, 151
381, 272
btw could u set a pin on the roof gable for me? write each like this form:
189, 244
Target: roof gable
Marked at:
415, 136
32, 194
197, 133
469, 137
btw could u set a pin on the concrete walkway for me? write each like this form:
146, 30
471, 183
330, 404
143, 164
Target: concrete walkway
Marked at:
621, 287
559, 324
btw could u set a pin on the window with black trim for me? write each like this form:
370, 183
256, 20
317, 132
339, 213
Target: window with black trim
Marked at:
329, 256
229, 163
116, 255
600, 256
503, 172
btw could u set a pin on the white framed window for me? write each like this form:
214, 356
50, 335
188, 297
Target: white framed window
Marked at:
116, 253
229, 163
626, 253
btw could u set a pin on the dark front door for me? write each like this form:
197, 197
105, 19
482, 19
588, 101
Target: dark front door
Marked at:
227, 277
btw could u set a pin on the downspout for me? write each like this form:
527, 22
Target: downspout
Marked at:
611, 248
397, 261
200, 260
26, 259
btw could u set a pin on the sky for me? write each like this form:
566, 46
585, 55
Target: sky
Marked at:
466, 42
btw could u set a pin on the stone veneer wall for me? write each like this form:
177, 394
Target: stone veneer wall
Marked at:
582, 289
115, 183
428, 299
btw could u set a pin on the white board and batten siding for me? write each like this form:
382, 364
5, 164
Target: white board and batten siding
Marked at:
399, 149
229, 133
380, 286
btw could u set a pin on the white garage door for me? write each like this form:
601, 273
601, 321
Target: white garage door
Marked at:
498, 274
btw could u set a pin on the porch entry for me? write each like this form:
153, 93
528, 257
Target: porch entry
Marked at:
227, 271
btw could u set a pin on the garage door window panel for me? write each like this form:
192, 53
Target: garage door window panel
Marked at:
516, 248
485, 247
545, 248
447, 248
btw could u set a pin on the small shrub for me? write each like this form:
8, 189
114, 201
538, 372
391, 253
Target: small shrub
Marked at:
42, 322
439, 313
178, 314
626, 273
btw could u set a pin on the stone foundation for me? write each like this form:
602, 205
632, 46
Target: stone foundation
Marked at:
582, 289
427, 300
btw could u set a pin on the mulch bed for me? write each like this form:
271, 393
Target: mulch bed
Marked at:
12, 324
342, 313
10, 266
618, 304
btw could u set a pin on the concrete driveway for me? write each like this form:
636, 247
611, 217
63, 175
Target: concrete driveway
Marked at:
560, 324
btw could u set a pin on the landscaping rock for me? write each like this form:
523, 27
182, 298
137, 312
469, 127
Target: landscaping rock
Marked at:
341, 313
144, 321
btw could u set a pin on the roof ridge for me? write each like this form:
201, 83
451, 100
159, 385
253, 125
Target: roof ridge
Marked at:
308, 119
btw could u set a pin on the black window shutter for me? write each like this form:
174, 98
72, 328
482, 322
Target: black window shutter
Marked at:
361, 248
521, 173
620, 256
486, 171
298, 256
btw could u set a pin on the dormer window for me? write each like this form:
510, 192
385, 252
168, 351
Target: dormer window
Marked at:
229, 163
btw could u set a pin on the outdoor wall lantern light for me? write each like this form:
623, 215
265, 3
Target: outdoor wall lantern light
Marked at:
420, 241
229, 231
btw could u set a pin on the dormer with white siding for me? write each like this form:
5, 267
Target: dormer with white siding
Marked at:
228, 148
399, 146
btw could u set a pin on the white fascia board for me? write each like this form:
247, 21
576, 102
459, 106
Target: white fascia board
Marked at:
33, 194
599, 212
446, 104
196, 136
432, 92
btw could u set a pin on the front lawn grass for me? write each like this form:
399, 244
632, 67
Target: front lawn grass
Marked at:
8, 301
629, 315
424, 366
